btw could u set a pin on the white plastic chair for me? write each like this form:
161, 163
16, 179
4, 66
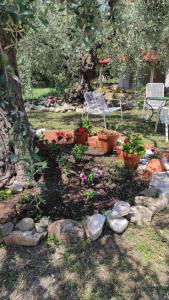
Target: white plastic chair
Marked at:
153, 90
95, 105
163, 116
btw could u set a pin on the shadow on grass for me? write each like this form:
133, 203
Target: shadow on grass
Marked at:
101, 270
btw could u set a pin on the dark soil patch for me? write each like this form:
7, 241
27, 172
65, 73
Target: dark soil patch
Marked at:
66, 197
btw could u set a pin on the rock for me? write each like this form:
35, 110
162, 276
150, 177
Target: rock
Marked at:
6, 229
160, 181
120, 209
141, 215
118, 225
25, 224
39, 228
151, 192
27, 238
155, 204
141, 169
65, 179
94, 226
67, 230
40, 132
44, 222
17, 188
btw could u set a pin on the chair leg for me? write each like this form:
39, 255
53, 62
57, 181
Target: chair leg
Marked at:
166, 132
121, 114
147, 116
156, 125
144, 106
105, 125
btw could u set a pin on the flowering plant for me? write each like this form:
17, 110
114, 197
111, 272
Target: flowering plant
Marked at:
134, 144
83, 176
81, 130
95, 173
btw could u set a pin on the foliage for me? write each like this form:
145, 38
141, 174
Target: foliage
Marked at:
134, 144
5, 193
86, 124
90, 177
53, 52
89, 195
78, 151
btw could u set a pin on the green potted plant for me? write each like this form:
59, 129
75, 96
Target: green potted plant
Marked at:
133, 150
84, 130
108, 139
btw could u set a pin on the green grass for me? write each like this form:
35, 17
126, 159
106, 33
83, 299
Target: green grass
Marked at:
39, 93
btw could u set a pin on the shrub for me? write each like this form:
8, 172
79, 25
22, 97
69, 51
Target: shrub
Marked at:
78, 151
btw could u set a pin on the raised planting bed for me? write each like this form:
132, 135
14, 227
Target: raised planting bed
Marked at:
59, 136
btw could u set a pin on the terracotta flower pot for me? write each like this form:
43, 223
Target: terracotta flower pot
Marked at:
131, 160
108, 140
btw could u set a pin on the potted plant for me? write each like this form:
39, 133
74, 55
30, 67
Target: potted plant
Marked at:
108, 139
81, 136
133, 150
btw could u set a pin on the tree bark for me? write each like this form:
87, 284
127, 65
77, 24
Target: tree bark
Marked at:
12, 111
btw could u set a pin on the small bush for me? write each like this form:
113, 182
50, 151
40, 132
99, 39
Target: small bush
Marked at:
78, 151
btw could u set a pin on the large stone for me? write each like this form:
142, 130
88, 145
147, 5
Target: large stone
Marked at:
120, 209
141, 215
6, 229
94, 226
39, 228
17, 188
28, 238
68, 231
151, 192
44, 222
155, 204
160, 181
118, 225
25, 224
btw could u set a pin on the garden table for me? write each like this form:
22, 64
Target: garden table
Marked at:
163, 100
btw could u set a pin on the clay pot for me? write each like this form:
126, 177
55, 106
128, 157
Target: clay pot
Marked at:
131, 160
108, 141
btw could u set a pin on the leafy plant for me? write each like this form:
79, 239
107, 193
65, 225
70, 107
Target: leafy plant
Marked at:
5, 193
90, 177
65, 165
89, 195
134, 144
78, 151
53, 239
86, 124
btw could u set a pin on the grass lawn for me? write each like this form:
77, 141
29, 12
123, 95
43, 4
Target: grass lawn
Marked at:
39, 93
132, 266
133, 122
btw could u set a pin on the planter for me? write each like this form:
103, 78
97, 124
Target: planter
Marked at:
81, 137
131, 160
119, 152
93, 142
108, 140
59, 136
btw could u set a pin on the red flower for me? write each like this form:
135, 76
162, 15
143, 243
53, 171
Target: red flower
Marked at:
81, 130
126, 141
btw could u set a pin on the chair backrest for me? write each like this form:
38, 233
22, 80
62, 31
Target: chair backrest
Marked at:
155, 90
101, 104
95, 102
164, 115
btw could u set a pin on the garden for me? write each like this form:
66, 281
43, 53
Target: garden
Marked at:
84, 159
